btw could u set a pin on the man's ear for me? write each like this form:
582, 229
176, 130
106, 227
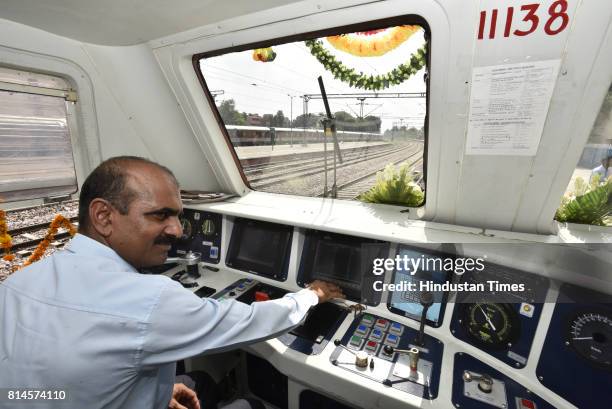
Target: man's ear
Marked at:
100, 216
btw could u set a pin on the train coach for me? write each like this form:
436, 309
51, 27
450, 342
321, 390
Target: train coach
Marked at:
242, 135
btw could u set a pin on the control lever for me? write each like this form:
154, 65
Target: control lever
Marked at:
413, 355
190, 260
485, 382
426, 300
361, 357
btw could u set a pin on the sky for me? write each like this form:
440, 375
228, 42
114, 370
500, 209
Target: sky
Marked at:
265, 88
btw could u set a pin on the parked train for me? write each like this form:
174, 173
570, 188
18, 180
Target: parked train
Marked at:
241, 135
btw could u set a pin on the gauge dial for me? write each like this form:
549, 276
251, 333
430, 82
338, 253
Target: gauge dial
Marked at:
208, 227
491, 325
187, 229
590, 335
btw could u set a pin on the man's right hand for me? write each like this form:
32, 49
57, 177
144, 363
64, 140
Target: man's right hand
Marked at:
325, 291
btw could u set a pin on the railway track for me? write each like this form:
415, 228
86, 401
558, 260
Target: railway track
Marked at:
299, 159
316, 169
29, 225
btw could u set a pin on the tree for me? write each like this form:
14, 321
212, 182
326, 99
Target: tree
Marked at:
227, 110
279, 120
267, 120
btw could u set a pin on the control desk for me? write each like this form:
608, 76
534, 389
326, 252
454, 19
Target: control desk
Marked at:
400, 349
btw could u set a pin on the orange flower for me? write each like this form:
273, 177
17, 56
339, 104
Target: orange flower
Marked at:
58, 221
373, 43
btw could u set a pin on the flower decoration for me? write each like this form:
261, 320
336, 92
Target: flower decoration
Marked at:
58, 221
5, 239
372, 43
396, 76
264, 54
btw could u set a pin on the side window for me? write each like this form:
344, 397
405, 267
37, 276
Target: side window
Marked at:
35, 146
588, 197
270, 106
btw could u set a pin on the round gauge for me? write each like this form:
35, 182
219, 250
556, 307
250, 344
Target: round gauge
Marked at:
491, 325
187, 230
590, 335
208, 227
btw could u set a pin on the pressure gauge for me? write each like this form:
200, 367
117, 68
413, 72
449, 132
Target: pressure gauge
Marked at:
491, 325
590, 335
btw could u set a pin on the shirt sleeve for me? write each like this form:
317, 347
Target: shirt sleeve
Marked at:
184, 325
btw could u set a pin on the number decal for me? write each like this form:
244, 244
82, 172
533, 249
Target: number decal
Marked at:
557, 20
554, 15
532, 17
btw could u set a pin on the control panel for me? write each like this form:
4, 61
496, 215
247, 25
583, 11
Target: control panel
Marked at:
317, 328
476, 385
390, 353
202, 233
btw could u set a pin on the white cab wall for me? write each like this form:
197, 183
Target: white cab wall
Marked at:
125, 105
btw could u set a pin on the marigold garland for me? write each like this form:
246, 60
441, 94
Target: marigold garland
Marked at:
5, 239
58, 221
373, 43
370, 82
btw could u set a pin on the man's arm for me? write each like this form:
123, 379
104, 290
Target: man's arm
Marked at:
183, 325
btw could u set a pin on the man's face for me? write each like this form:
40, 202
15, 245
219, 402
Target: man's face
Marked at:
143, 236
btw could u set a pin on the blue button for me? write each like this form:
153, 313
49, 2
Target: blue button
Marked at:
362, 329
396, 328
392, 339
377, 334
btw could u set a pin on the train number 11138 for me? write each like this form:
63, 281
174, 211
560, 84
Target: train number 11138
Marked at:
555, 21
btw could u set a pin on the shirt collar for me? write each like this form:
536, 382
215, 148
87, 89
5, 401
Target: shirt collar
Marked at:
83, 245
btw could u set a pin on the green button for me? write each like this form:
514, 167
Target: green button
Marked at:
355, 340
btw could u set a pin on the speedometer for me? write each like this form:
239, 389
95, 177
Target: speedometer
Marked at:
491, 325
590, 335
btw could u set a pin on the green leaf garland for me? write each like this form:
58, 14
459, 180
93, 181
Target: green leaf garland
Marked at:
360, 80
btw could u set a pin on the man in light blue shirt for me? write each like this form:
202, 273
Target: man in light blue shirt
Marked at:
86, 322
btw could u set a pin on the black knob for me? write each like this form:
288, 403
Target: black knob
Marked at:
426, 298
388, 349
337, 342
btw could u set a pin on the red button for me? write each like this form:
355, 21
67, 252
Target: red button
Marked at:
527, 404
261, 296
371, 344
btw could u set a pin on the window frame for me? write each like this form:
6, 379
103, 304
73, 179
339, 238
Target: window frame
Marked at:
361, 26
23, 81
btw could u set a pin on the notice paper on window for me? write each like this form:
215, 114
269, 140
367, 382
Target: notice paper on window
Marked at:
508, 107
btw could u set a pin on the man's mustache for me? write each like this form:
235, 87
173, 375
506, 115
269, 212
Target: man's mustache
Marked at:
165, 240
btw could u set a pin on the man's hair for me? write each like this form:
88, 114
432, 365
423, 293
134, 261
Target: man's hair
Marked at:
109, 182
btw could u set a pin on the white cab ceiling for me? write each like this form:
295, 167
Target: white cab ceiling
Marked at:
125, 22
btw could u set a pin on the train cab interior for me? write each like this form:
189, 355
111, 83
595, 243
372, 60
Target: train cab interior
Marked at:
448, 164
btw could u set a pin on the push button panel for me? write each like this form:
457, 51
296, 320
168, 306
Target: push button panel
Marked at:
372, 333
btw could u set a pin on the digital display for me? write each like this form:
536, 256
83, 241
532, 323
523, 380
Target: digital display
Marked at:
336, 261
407, 303
260, 248
342, 260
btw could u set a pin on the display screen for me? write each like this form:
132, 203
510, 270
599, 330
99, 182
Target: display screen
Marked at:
407, 303
260, 248
340, 259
